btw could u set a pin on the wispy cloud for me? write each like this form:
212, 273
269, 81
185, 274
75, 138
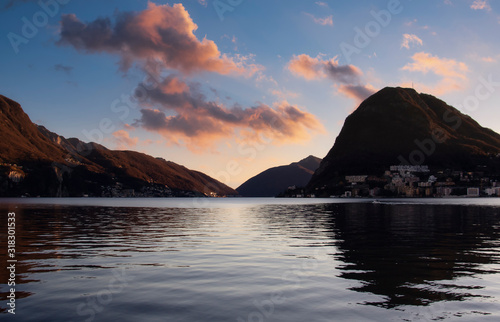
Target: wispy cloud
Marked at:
63, 68
411, 23
484, 59
9, 3
348, 76
321, 4
425, 62
327, 21
452, 72
123, 141
284, 94
488, 59
481, 5
410, 39
357, 92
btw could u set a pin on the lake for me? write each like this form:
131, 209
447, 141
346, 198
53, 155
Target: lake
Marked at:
253, 259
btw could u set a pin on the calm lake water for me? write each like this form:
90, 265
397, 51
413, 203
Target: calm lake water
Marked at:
253, 260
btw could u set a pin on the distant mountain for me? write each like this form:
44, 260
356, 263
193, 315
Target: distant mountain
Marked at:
398, 126
276, 180
35, 161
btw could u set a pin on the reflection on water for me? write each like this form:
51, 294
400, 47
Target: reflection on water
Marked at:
323, 262
411, 255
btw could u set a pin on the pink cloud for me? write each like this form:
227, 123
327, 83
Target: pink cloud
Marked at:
162, 35
348, 76
327, 21
488, 59
189, 116
410, 39
425, 62
307, 67
161, 39
452, 73
123, 140
481, 5
317, 68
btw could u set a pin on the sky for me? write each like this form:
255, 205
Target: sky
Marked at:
233, 87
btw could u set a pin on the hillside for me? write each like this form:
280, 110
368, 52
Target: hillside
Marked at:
398, 126
274, 181
36, 161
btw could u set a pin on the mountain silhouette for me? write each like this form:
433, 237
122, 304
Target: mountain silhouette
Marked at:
273, 181
398, 126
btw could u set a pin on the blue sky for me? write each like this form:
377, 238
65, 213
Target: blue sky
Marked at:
269, 84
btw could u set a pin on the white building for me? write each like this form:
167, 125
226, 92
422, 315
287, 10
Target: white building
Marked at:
490, 191
472, 192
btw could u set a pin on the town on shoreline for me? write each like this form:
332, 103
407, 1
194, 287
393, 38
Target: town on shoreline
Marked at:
411, 181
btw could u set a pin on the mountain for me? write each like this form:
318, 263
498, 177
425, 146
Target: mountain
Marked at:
36, 161
20, 140
276, 180
398, 126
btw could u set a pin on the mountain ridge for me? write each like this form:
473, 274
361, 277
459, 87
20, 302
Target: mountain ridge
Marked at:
275, 180
48, 164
